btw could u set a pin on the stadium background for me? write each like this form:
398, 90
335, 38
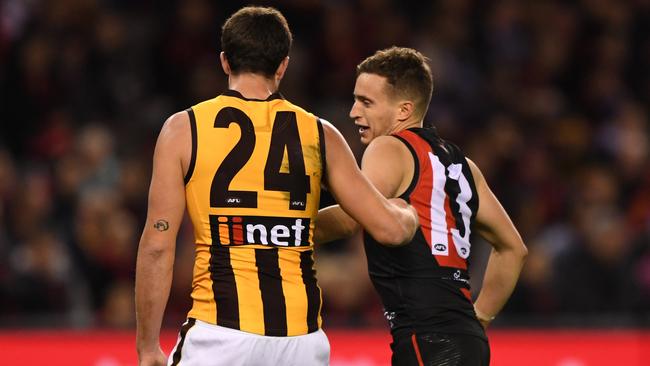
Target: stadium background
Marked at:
550, 98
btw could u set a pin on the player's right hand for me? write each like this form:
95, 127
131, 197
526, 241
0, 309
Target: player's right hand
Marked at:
153, 358
399, 202
412, 221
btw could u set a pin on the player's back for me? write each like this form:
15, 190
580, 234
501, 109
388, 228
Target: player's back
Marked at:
424, 285
252, 190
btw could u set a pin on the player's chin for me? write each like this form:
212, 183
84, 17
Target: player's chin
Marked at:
365, 137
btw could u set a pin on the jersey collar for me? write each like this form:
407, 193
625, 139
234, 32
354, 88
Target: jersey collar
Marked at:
236, 94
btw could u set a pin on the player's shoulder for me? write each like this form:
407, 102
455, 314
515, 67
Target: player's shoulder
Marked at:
209, 107
285, 104
330, 131
178, 120
476, 172
210, 103
177, 126
327, 125
387, 151
388, 144
386, 141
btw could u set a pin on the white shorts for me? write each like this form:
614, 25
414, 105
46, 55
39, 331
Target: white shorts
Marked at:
203, 344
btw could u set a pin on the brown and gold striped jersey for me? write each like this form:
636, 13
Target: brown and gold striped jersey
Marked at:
252, 190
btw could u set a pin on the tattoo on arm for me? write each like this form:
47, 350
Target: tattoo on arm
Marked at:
161, 225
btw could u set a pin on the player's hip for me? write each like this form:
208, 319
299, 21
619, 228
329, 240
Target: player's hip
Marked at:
452, 349
200, 343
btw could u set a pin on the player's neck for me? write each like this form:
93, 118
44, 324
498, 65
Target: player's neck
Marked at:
252, 86
406, 124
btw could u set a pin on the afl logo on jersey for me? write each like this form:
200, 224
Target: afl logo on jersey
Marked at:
439, 247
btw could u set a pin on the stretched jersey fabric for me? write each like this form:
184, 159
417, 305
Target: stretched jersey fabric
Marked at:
252, 190
424, 285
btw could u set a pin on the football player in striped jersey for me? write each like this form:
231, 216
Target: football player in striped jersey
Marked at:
424, 285
248, 165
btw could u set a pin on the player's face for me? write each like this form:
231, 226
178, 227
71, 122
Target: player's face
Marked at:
373, 111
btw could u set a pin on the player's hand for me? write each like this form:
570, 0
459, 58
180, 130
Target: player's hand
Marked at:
484, 319
405, 206
414, 221
399, 202
152, 358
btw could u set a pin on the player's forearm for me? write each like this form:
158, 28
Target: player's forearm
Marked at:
153, 279
332, 223
499, 281
408, 220
397, 225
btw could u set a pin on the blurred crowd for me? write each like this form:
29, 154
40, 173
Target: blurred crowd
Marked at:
550, 98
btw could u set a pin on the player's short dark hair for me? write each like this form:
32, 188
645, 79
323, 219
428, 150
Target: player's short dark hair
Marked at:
406, 71
256, 39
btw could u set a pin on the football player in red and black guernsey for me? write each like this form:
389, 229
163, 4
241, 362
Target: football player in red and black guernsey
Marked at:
424, 285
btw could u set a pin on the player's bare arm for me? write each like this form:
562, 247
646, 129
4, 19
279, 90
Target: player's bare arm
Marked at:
384, 166
332, 223
391, 223
156, 249
508, 251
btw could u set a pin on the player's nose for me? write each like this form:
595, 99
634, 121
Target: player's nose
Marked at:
354, 114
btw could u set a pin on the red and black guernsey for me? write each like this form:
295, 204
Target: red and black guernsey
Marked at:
424, 285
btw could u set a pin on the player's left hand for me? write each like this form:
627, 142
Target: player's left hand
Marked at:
483, 318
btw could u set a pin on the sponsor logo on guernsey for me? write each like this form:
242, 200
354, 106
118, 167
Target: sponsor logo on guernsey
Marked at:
261, 230
459, 276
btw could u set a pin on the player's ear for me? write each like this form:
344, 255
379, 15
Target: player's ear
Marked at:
406, 109
279, 73
224, 63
